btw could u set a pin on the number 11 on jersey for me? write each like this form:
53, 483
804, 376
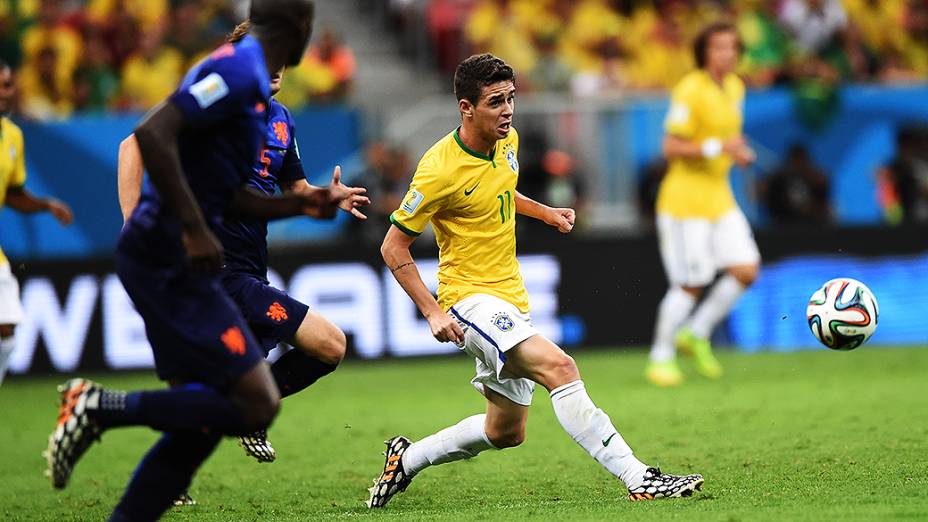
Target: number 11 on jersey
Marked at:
505, 206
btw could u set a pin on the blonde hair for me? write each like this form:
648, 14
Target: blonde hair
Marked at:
240, 31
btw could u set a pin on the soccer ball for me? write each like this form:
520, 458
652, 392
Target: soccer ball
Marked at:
843, 314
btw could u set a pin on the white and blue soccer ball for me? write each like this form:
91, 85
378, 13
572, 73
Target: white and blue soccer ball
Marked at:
843, 314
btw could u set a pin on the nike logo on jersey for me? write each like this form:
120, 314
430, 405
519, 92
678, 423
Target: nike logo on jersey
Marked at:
607, 441
471, 191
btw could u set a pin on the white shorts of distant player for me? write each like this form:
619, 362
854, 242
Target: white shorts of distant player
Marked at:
492, 327
11, 311
694, 249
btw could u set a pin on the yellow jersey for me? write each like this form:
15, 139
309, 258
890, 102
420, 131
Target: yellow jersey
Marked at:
12, 162
701, 109
469, 198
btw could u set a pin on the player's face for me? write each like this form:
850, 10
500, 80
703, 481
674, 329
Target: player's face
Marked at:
275, 81
7, 89
722, 52
493, 113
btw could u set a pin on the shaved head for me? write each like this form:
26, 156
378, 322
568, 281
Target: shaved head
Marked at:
285, 23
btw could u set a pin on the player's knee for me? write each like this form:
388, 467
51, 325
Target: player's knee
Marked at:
509, 437
321, 340
7, 330
561, 370
333, 347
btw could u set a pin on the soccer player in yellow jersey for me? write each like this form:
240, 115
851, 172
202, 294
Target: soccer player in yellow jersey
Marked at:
700, 227
14, 194
465, 186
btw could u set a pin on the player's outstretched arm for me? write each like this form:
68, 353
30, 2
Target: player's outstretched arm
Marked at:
676, 147
18, 198
396, 255
350, 204
320, 203
157, 140
560, 218
129, 174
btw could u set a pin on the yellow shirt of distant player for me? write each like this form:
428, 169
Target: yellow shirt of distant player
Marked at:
701, 109
469, 198
12, 162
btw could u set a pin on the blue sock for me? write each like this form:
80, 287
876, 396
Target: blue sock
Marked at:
296, 371
189, 407
164, 473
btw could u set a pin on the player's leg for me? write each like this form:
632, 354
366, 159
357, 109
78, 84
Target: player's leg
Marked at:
164, 474
274, 316
7, 344
320, 347
508, 399
502, 426
735, 251
544, 362
11, 314
229, 390
685, 255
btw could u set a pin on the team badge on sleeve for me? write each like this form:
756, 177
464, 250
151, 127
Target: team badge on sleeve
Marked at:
209, 90
412, 201
503, 322
678, 114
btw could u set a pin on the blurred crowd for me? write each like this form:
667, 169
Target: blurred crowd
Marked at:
127, 55
597, 46
797, 192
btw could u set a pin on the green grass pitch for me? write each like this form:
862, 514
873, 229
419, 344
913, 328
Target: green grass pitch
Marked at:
804, 436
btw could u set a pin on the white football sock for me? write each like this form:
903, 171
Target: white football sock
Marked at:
675, 307
591, 428
716, 305
464, 440
7, 344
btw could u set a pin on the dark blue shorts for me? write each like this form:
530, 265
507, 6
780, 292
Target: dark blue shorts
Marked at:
196, 331
272, 315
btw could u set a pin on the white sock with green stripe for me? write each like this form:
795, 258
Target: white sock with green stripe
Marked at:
462, 441
591, 428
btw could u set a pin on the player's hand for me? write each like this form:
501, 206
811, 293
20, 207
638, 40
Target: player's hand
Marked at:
445, 329
322, 204
355, 196
739, 150
204, 252
60, 211
745, 156
561, 218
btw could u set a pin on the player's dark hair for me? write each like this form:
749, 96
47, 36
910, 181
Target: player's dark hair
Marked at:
478, 71
283, 23
4, 65
240, 31
702, 40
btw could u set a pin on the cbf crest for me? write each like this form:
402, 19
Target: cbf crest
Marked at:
510, 152
503, 322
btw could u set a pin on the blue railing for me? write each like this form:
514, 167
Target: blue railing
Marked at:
76, 161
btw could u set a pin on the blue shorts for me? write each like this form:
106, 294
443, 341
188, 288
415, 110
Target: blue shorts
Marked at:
272, 315
196, 331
